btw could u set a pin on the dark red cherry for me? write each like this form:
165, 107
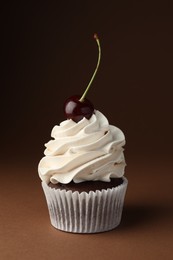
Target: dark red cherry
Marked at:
76, 110
78, 107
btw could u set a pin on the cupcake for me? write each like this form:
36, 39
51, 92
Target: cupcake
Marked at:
82, 175
82, 171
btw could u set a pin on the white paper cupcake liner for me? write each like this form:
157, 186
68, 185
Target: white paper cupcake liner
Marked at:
84, 212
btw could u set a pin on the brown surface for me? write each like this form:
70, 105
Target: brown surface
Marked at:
146, 230
49, 54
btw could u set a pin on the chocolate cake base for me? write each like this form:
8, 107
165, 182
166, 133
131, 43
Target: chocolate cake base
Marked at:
87, 186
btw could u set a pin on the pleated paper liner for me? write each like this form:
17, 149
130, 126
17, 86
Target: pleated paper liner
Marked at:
84, 212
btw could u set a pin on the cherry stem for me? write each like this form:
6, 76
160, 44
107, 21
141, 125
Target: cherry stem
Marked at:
98, 63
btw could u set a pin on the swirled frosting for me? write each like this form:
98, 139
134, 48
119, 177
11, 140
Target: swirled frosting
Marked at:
88, 150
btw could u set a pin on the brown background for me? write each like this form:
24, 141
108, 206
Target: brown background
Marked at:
49, 54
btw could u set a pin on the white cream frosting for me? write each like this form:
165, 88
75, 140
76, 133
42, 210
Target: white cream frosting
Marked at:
88, 150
